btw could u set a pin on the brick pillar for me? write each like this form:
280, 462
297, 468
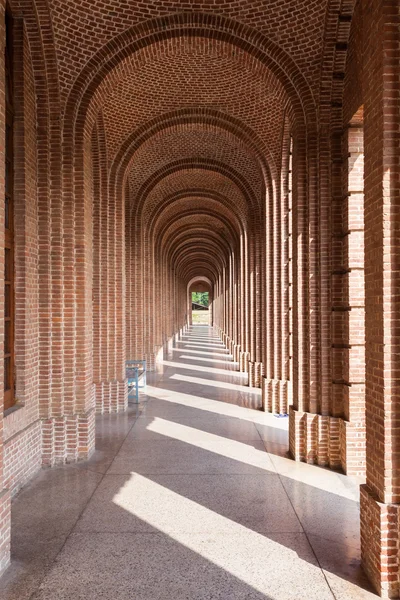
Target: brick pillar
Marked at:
380, 496
301, 446
68, 432
109, 342
235, 304
136, 275
5, 500
243, 357
148, 307
277, 301
68, 414
267, 383
277, 336
244, 354
5, 514
255, 365
315, 429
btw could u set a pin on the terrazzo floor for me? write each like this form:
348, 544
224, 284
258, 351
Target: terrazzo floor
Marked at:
190, 495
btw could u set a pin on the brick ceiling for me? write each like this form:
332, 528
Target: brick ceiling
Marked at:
192, 98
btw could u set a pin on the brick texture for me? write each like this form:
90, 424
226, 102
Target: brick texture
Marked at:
245, 148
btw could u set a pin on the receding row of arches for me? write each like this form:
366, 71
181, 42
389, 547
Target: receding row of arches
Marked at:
189, 150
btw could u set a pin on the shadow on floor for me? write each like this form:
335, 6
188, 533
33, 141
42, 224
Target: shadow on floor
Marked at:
182, 501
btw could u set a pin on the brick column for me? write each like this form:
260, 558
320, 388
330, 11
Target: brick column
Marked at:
302, 426
267, 396
276, 353
244, 355
109, 273
69, 426
277, 220
255, 365
380, 497
5, 513
68, 414
314, 429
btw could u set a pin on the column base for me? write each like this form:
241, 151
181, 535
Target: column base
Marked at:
275, 393
151, 360
244, 358
68, 439
111, 397
353, 448
168, 347
236, 354
255, 374
159, 354
228, 343
327, 441
380, 543
314, 439
5, 529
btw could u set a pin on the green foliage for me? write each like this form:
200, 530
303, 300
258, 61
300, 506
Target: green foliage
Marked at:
200, 298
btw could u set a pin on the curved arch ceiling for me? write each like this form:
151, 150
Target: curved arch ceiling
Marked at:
192, 116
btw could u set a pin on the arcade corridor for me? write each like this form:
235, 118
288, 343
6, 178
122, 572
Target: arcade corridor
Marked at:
193, 496
243, 151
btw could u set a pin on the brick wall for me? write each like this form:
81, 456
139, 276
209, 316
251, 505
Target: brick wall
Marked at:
162, 142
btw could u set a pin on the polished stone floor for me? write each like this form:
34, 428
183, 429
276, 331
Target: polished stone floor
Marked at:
190, 495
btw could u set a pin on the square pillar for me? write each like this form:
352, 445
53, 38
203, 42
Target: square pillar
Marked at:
380, 497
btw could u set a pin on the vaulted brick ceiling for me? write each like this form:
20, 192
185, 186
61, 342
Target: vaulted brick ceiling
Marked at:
82, 27
188, 112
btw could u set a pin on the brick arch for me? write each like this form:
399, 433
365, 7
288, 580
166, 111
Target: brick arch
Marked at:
185, 260
102, 65
199, 278
161, 233
205, 256
195, 202
154, 84
227, 198
124, 161
210, 167
180, 242
212, 226
141, 154
206, 270
187, 246
221, 223
196, 269
188, 242
192, 232
208, 285
185, 255
37, 20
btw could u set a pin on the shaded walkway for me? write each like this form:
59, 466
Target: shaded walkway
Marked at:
190, 496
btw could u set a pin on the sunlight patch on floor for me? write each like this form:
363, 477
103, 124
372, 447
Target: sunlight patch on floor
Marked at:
204, 353
217, 407
205, 347
236, 560
213, 383
234, 450
202, 359
311, 475
205, 369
